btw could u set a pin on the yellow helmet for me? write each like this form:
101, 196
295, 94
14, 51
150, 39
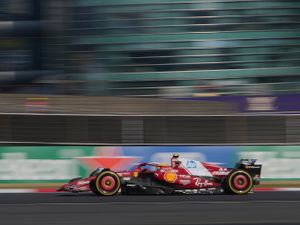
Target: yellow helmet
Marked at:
175, 155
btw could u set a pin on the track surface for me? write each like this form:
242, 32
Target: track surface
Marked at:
56, 208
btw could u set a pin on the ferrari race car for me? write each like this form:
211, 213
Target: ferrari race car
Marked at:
183, 176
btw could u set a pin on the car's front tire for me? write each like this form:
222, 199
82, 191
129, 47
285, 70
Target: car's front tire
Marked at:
107, 183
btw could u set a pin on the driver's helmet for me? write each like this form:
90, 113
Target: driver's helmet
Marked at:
175, 161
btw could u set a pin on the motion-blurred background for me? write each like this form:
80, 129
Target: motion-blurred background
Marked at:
220, 79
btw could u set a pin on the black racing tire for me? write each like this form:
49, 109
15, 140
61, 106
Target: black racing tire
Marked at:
238, 182
106, 183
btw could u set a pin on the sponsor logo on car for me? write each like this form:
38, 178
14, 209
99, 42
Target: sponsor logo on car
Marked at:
220, 173
170, 177
184, 182
202, 183
191, 164
252, 167
198, 182
184, 176
169, 170
135, 174
124, 174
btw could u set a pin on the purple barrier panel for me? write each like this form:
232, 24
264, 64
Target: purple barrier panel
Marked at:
289, 103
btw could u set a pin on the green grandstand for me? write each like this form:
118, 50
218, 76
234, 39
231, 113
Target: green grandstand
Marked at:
148, 47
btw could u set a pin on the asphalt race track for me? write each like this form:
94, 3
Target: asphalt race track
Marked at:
57, 208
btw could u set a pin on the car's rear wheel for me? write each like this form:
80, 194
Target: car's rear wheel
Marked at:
238, 182
106, 183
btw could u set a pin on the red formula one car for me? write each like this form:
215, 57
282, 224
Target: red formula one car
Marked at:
183, 176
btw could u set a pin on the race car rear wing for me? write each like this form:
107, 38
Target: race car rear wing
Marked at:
253, 169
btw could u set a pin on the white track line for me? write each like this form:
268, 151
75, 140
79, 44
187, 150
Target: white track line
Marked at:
145, 203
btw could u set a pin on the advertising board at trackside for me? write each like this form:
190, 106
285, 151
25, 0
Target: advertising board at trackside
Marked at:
285, 103
46, 164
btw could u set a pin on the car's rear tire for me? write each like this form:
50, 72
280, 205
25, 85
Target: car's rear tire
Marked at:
106, 183
238, 182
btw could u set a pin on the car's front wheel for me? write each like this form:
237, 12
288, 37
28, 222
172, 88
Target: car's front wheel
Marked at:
106, 183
